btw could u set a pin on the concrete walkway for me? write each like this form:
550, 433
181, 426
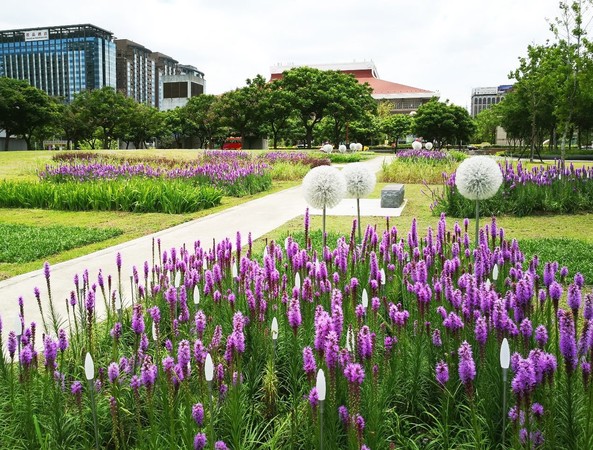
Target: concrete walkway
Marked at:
257, 216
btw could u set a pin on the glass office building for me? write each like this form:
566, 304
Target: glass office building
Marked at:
61, 60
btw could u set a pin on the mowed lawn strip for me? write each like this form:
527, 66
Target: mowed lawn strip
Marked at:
24, 243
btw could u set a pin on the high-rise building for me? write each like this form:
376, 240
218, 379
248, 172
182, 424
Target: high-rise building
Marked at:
136, 72
61, 60
484, 97
165, 65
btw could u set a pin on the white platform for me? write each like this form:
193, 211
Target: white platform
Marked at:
368, 208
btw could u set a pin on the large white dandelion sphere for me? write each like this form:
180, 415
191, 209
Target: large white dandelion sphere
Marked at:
428, 146
352, 146
327, 148
358, 146
478, 178
417, 145
360, 181
324, 186
342, 148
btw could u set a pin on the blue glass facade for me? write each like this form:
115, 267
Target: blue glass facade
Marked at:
62, 61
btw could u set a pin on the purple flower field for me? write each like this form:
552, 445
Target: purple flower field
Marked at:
407, 329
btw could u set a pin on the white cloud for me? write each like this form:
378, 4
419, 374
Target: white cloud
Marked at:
448, 45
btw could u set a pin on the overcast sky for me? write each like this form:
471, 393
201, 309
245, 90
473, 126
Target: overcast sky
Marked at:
448, 46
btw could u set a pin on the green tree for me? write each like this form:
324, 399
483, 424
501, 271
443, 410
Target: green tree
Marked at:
310, 96
103, 109
538, 77
205, 123
487, 121
348, 101
241, 110
24, 110
396, 126
277, 109
575, 54
140, 123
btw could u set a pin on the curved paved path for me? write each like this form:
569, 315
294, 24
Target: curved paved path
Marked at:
258, 216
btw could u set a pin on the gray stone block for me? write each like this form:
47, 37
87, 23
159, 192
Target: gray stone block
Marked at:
392, 196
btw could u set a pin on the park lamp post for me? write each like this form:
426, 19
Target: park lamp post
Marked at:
209, 375
505, 360
321, 387
89, 372
274, 333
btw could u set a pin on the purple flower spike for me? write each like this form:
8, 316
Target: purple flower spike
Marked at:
467, 366
198, 414
568, 346
200, 441
313, 398
354, 373
220, 445
442, 372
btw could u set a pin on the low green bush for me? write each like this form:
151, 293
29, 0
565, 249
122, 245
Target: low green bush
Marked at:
25, 243
134, 195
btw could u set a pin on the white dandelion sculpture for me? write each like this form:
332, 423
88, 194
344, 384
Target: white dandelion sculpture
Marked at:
417, 145
324, 187
478, 178
342, 148
360, 182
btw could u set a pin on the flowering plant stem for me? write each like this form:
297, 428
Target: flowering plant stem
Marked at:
358, 212
477, 242
324, 235
321, 424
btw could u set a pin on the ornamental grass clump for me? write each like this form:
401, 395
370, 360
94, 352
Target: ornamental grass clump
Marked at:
360, 182
406, 328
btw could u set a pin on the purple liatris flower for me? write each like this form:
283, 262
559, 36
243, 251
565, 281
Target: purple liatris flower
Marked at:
12, 344
155, 314
294, 314
220, 445
343, 415
313, 398
541, 336
481, 331
200, 441
524, 381
467, 367
354, 373
309, 365
366, 340
62, 340
197, 413
442, 372
113, 372
138, 319
568, 346
50, 351
436, 338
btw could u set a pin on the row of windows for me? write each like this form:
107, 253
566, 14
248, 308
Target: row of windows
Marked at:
486, 100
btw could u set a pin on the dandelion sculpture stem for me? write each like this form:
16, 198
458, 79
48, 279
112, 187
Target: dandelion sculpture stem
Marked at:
478, 178
89, 369
360, 182
505, 360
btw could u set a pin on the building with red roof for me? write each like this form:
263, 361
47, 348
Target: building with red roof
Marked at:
405, 99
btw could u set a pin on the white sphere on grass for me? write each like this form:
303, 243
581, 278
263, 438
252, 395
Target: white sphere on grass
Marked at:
417, 145
428, 146
342, 148
324, 186
327, 148
352, 146
360, 181
358, 147
478, 178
